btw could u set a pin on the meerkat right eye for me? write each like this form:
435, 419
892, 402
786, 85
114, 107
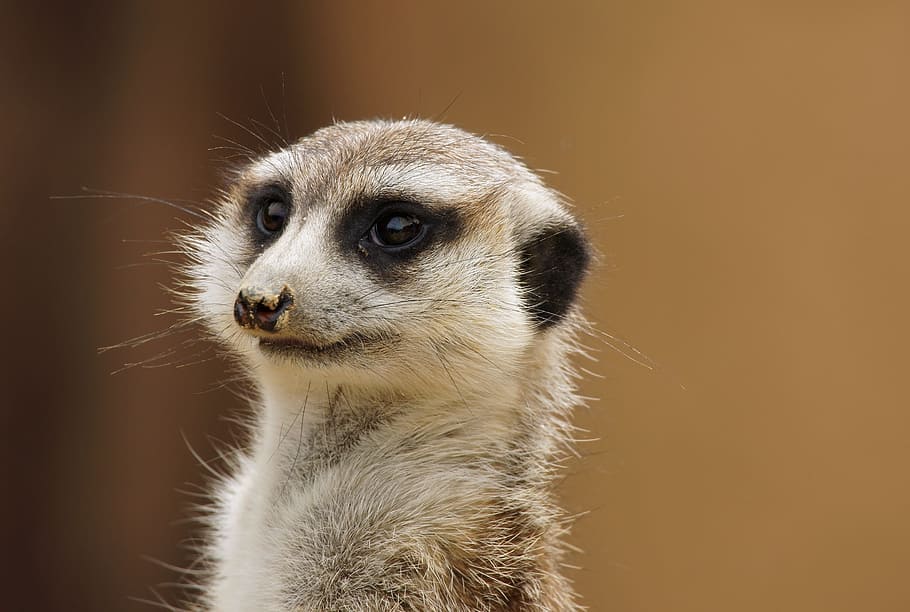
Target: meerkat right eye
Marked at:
397, 230
271, 216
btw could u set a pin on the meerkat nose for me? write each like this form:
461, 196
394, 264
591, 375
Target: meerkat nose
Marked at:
262, 309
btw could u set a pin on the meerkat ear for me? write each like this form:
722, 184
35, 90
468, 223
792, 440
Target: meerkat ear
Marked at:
553, 263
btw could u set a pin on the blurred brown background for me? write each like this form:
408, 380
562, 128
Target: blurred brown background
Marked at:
743, 169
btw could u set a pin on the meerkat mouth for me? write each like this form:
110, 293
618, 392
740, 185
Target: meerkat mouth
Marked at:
297, 347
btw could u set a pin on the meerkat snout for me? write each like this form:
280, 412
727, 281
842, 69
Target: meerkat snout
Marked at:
262, 309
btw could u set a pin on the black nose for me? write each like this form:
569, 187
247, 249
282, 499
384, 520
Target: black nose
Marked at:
257, 308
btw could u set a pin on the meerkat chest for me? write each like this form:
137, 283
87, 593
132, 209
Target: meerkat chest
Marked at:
370, 526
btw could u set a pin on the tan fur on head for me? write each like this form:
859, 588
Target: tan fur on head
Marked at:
415, 396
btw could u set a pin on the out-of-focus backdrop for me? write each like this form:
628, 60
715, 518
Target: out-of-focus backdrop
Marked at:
744, 168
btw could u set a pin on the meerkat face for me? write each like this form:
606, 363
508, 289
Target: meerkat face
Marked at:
393, 252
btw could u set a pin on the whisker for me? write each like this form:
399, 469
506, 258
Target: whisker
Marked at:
101, 194
299, 441
254, 134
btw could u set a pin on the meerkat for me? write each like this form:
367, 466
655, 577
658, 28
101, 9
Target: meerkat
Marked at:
402, 296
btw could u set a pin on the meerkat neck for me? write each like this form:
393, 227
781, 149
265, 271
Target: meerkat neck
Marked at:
448, 497
311, 423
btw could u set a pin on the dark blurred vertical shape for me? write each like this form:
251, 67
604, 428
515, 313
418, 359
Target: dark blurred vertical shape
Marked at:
118, 96
50, 118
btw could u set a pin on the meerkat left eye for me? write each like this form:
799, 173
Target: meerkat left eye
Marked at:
272, 216
397, 230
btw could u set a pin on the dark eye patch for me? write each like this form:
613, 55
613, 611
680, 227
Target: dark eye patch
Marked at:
389, 233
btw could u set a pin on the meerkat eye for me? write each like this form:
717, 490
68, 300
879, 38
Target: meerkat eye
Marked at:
271, 217
396, 230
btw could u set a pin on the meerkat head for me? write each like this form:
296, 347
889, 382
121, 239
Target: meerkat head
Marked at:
389, 253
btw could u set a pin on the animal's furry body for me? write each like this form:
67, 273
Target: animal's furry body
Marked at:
413, 402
